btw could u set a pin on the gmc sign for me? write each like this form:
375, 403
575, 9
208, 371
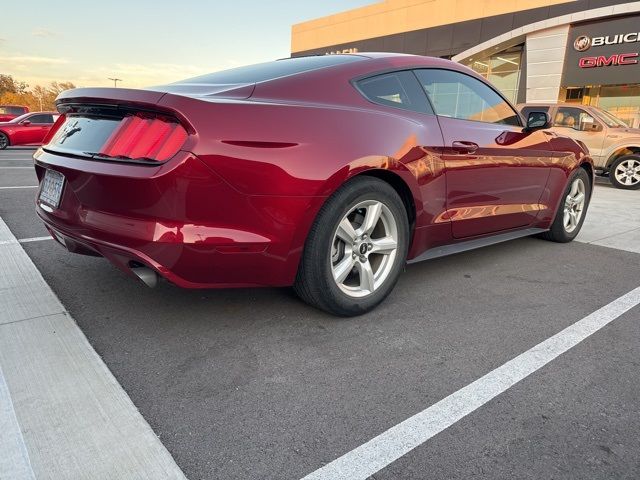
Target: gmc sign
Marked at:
612, 60
600, 52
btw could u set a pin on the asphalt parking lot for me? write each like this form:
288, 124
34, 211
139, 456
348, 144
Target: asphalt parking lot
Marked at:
254, 384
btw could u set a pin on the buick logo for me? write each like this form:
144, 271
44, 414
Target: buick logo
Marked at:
582, 43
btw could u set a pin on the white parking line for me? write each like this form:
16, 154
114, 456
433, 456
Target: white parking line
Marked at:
16, 168
35, 239
26, 240
377, 453
19, 186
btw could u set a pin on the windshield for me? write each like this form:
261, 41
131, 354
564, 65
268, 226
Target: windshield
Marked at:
11, 110
611, 120
19, 119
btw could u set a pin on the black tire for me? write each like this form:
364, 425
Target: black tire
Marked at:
613, 177
4, 141
558, 232
314, 282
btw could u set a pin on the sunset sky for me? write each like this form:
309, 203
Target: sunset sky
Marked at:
147, 42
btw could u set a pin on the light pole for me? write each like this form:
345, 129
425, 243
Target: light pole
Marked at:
115, 81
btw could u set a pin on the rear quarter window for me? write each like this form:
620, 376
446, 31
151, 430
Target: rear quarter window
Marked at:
395, 89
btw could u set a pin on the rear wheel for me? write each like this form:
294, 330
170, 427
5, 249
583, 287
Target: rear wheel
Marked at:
572, 211
355, 250
625, 172
4, 141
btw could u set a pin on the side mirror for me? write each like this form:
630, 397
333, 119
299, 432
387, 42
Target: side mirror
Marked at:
26, 123
537, 120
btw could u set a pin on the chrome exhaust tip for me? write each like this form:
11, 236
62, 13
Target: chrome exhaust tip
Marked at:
148, 276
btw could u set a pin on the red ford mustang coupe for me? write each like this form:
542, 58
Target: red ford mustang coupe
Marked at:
327, 173
27, 129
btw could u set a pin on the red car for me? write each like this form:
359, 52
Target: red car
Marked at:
327, 173
27, 129
9, 112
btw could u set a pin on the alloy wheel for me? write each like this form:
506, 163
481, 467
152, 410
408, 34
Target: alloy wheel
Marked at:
364, 248
574, 205
628, 172
3, 142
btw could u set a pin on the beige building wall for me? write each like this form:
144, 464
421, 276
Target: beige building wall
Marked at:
545, 61
396, 16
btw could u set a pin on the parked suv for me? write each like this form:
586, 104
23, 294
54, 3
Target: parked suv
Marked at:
614, 147
9, 112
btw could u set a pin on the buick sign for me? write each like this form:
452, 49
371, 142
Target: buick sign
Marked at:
605, 52
582, 43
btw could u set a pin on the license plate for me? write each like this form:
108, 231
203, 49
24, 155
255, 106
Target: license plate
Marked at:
51, 189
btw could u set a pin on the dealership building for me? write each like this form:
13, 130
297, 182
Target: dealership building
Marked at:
578, 51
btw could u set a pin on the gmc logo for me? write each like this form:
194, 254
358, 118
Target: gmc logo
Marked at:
613, 60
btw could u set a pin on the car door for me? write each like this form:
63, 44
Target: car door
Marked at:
400, 93
26, 132
577, 123
40, 125
495, 172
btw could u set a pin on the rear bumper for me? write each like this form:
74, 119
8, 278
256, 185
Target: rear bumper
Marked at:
180, 219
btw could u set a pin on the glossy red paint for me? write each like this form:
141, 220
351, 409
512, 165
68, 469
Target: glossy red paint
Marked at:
235, 205
28, 129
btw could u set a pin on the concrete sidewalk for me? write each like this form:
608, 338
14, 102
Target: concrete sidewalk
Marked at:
613, 219
62, 413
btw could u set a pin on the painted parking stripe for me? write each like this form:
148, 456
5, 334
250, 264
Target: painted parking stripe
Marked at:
26, 240
35, 239
18, 186
377, 453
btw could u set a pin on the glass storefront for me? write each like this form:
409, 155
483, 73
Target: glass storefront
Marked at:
623, 101
502, 70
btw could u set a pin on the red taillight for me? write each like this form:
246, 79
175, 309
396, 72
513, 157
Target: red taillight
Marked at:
54, 128
144, 138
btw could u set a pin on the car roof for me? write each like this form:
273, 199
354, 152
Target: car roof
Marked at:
306, 66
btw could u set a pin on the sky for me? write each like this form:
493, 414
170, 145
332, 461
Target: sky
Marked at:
146, 42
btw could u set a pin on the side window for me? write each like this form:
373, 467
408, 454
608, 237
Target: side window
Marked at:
456, 95
395, 89
571, 117
41, 118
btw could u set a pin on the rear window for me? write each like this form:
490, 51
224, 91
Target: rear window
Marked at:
268, 71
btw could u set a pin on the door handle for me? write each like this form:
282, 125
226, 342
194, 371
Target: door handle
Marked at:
462, 146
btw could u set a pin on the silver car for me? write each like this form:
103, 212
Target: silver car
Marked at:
614, 146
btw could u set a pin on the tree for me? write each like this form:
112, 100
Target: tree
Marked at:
38, 98
8, 84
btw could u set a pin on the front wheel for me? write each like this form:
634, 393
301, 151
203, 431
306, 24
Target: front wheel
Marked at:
573, 209
625, 172
356, 249
4, 141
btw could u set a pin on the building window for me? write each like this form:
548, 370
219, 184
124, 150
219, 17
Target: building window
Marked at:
502, 70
